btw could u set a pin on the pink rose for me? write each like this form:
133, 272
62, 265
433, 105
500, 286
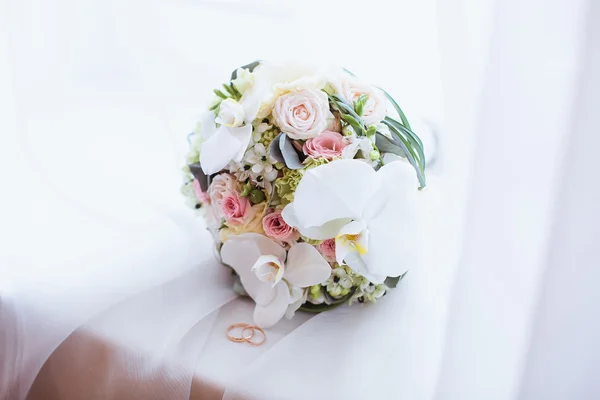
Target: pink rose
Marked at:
327, 145
236, 209
327, 249
302, 115
276, 228
220, 186
201, 196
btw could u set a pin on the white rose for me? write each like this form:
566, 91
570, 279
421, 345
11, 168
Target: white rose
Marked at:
303, 114
293, 76
351, 89
219, 187
231, 114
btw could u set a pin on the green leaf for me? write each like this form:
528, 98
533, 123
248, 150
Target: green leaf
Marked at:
408, 149
398, 109
354, 123
359, 104
220, 94
392, 282
348, 71
257, 196
347, 109
201, 177
406, 130
317, 308
230, 89
386, 145
371, 130
413, 139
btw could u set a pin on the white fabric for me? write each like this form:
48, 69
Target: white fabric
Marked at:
96, 99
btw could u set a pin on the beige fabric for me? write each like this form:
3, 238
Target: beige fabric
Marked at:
88, 368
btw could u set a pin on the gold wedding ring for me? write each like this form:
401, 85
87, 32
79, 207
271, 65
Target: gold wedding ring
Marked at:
251, 329
254, 329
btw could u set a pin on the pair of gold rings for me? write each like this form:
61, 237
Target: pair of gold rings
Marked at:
246, 334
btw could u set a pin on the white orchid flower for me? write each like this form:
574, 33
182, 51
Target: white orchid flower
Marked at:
274, 281
230, 139
231, 114
371, 214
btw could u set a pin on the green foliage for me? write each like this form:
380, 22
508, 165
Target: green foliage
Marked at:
412, 148
257, 196
287, 184
392, 282
359, 104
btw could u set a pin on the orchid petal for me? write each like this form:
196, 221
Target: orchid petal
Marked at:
241, 255
224, 145
391, 157
268, 315
243, 135
326, 231
353, 228
342, 249
344, 246
207, 125
253, 97
265, 245
341, 189
305, 266
241, 252
357, 264
298, 297
268, 269
218, 150
394, 226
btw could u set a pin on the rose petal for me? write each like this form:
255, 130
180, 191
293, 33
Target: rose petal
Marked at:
305, 266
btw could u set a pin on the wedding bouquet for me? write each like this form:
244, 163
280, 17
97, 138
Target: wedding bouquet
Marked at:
308, 186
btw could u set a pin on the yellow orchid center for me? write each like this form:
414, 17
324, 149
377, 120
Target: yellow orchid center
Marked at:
269, 269
353, 241
274, 271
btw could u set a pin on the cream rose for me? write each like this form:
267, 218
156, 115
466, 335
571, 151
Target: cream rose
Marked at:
220, 186
302, 115
351, 89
